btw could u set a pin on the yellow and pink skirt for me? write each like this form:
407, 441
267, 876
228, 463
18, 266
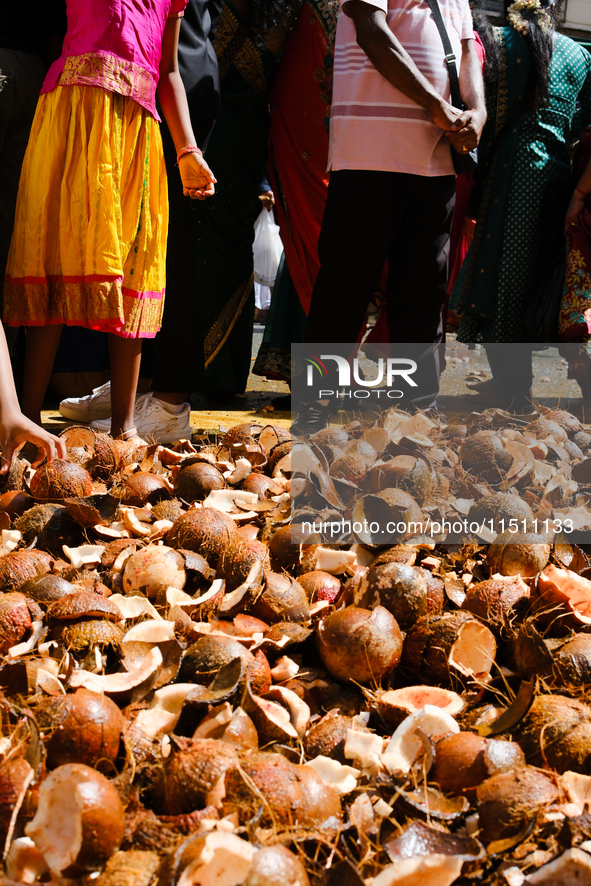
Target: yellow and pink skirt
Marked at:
89, 242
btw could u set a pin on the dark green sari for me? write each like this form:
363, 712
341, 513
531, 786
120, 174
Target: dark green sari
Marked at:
498, 278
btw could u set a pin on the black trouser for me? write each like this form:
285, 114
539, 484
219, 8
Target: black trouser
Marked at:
511, 368
371, 217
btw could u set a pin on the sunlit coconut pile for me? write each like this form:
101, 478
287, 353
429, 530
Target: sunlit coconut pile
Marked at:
186, 697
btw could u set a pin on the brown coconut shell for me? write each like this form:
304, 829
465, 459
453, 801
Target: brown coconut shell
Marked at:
204, 658
396, 705
414, 474
169, 509
327, 737
98, 809
437, 649
500, 507
282, 599
292, 797
15, 775
276, 866
525, 555
572, 662
261, 485
15, 620
459, 765
80, 636
359, 645
193, 770
509, 800
436, 597
320, 585
483, 454
143, 488
15, 503
84, 604
214, 535
497, 601
556, 734
406, 554
20, 566
85, 726
283, 552
60, 479
194, 483
402, 590
47, 588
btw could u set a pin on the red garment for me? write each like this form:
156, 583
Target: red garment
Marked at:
300, 108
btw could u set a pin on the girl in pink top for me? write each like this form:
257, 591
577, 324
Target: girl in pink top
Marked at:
89, 243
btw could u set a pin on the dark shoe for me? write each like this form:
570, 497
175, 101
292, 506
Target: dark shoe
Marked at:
312, 417
580, 371
282, 403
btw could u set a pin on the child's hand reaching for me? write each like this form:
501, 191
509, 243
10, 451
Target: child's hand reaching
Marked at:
15, 430
198, 179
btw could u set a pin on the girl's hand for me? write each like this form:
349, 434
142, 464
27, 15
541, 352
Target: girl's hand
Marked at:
197, 178
16, 430
577, 202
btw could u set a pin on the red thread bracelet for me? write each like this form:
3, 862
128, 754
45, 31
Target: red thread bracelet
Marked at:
190, 149
582, 193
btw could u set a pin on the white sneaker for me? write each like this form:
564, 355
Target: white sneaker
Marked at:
152, 420
94, 406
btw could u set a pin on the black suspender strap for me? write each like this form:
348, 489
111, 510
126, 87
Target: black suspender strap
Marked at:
450, 58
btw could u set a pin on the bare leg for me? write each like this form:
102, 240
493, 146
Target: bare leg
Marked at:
42, 343
175, 399
125, 355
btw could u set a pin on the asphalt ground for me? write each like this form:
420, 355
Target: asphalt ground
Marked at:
551, 388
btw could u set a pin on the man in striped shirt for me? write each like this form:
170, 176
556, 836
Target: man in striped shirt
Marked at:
392, 184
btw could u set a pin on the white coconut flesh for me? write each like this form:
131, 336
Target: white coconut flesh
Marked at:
214, 722
406, 746
24, 862
429, 870
413, 698
134, 607
164, 711
335, 562
299, 711
567, 587
124, 681
152, 568
474, 651
572, 868
150, 631
223, 861
337, 775
56, 829
276, 714
365, 748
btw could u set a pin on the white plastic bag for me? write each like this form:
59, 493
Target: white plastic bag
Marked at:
267, 248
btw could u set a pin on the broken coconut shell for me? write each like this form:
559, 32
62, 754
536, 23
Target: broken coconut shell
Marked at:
60, 479
453, 646
79, 822
556, 734
356, 644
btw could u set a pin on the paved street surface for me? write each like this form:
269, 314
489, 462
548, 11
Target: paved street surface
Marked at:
551, 388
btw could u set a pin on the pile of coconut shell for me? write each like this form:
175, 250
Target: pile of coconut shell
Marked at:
188, 697
491, 472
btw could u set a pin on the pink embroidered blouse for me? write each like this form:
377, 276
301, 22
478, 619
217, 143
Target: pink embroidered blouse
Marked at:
114, 44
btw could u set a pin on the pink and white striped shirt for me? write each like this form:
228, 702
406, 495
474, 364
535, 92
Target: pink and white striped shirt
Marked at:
372, 124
